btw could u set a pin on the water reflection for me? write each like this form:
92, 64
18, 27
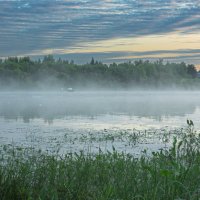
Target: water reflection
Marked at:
57, 105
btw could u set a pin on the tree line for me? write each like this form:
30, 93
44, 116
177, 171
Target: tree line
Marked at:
25, 72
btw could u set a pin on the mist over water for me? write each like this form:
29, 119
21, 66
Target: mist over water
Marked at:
59, 105
27, 116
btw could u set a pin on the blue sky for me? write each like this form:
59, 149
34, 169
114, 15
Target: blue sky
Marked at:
108, 30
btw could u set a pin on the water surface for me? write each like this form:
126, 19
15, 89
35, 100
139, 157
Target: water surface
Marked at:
68, 120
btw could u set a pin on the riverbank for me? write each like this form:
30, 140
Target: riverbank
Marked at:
27, 173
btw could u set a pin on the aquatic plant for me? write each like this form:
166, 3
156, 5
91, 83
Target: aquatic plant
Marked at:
174, 173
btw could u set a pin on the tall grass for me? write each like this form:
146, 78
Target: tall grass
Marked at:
167, 174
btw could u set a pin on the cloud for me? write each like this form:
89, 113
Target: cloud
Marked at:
190, 56
27, 26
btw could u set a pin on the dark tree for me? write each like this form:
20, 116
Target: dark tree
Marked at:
191, 70
92, 61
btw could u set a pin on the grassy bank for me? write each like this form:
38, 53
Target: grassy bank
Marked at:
168, 174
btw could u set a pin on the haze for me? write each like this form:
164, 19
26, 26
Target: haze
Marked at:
60, 105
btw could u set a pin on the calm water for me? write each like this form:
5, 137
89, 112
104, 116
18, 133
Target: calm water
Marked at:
69, 120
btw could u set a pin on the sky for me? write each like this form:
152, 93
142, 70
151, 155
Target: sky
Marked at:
108, 30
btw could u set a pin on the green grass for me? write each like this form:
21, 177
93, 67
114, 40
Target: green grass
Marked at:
167, 174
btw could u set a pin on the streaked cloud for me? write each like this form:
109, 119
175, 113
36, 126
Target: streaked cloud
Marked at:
88, 27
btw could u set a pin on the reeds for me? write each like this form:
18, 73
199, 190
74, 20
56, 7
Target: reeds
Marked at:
172, 173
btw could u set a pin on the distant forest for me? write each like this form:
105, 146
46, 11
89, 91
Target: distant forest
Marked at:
24, 73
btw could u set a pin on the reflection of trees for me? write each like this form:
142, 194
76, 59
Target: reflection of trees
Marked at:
54, 106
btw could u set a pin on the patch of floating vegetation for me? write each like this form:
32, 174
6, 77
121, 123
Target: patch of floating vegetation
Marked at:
169, 173
129, 141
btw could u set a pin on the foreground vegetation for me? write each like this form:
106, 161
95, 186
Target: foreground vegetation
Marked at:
167, 174
26, 73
